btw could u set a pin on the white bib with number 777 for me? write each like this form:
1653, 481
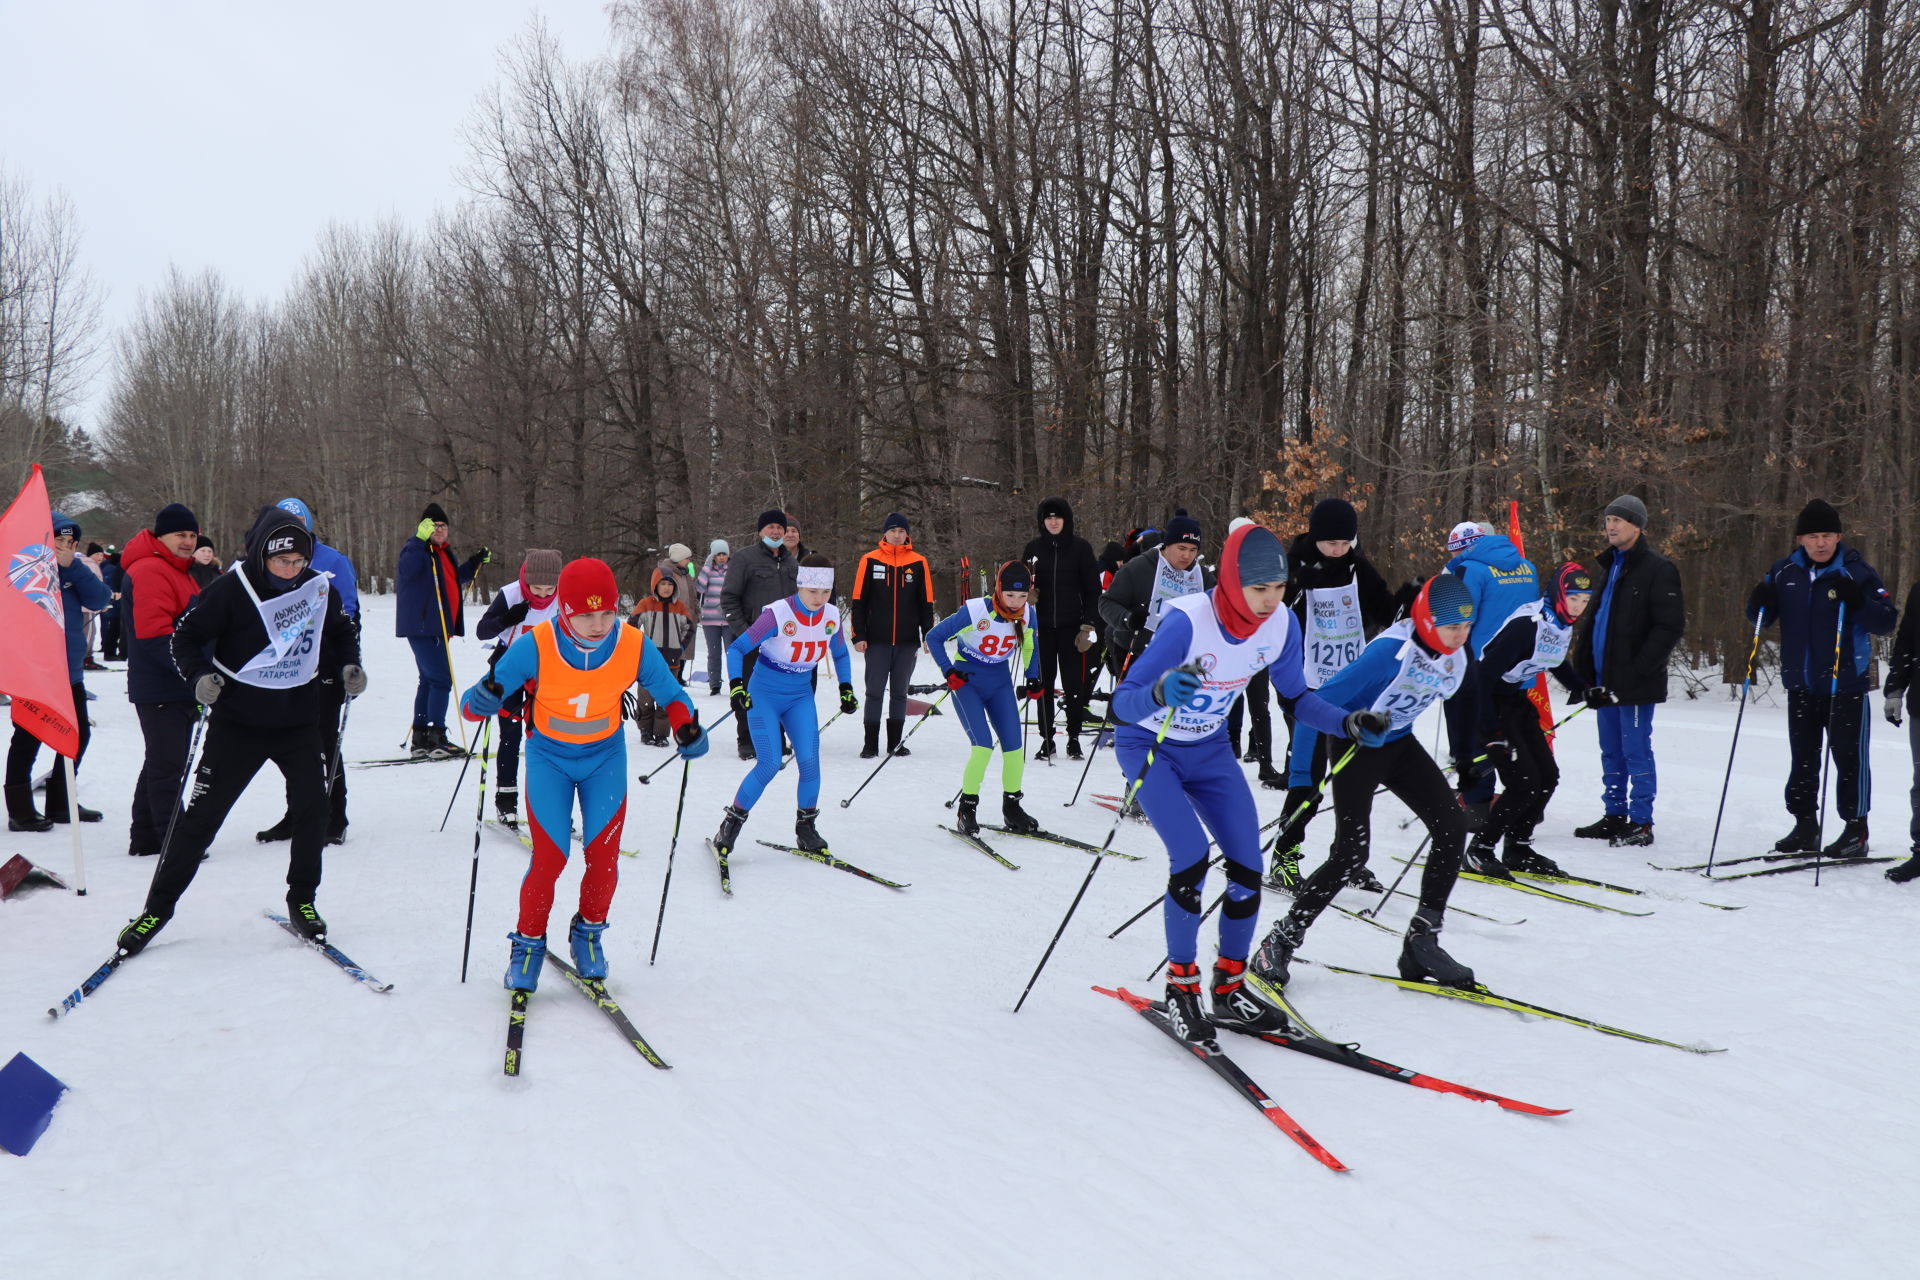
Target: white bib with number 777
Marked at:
1422, 679
1335, 633
293, 623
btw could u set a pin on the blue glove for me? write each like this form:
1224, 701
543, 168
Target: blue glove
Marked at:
692, 740
1368, 728
1180, 687
484, 699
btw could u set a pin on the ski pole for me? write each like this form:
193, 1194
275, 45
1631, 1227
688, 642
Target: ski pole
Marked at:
1826, 758
446, 647
1300, 810
1753, 653
1374, 910
672, 844
493, 687
903, 742
180, 795
1133, 789
1097, 738
649, 776
479, 820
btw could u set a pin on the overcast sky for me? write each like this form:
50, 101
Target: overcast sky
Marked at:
228, 134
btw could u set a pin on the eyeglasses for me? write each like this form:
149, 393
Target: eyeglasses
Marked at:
295, 563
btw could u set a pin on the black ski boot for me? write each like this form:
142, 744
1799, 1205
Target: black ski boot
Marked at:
1606, 829
1482, 861
1364, 880
1637, 835
21, 815
1014, 817
1276, 950
804, 835
1270, 778
870, 744
896, 730
281, 830
1422, 960
1850, 843
969, 817
1908, 870
421, 747
1522, 856
1046, 750
1235, 1006
1073, 750
1284, 875
57, 811
135, 937
1183, 1004
306, 920
506, 807
731, 821
1804, 838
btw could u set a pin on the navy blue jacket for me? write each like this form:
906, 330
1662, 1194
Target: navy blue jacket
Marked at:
80, 588
1808, 613
419, 591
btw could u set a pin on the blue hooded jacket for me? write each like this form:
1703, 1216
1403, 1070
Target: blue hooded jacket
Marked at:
1500, 580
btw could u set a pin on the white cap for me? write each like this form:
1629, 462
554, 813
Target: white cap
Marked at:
1464, 535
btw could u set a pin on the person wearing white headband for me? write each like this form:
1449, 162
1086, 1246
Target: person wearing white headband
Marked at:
791, 637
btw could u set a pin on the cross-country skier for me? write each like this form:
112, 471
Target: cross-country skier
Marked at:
517, 608
1535, 638
574, 667
1405, 668
791, 637
1202, 655
252, 650
1500, 580
991, 633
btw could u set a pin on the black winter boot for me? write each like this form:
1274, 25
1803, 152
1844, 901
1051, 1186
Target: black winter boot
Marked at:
870, 743
21, 815
896, 730
1804, 838
805, 836
1606, 828
1014, 817
281, 830
1422, 960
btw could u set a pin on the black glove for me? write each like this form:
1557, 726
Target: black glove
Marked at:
1763, 600
1499, 755
689, 733
1847, 590
1034, 689
848, 703
483, 556
516, 615
738, 695
630, 705
1595, 696
1368, 728
1469, 771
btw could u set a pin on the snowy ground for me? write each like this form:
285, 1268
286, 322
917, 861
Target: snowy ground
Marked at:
851, 1095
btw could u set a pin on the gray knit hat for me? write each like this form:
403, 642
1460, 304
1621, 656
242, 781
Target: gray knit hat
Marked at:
1630, 509
541, 568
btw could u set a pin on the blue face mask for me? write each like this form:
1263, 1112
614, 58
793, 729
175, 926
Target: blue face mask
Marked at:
774, 544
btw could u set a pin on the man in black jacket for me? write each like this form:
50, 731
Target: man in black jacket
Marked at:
758, 575
892, 608
253, 650
1066, 580
1899, 678
1637, 618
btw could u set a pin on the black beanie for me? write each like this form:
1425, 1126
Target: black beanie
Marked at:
1183, 528
1817, 516
1015, 576
434, 513
1333, 520
894, 520
175, 518
771, 516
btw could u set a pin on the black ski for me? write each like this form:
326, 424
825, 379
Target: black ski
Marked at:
398, 760
827, 859
596, 990
332, 953
516, 1031
1054, 838
977, 843
726, 876
91, 985
1825, 864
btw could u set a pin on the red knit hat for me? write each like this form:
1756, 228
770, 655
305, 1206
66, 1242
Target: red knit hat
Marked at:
587, 586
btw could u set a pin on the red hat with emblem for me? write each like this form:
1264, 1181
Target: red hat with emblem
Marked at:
587, 586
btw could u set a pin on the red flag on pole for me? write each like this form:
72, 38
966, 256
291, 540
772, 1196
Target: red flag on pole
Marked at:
33, 622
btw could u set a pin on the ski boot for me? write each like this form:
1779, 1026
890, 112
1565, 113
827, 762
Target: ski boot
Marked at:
506, 807
1285, 872
1605, 829
1907, 870
1522, 856
1015, 818
804, 835
1073, 750
524, 961
1364, 880
730, 823
1422, 960
1850, 843
337, 835
747, 752
1637, 835
306, 921
281, 830
583, 939
57, 812
135, 937
1271, 778
896, 730
870, 743
969, 816
1276, 950
1481, 860
1183, 1004
1045, 751
421, 743
1804, 838
1235, 1006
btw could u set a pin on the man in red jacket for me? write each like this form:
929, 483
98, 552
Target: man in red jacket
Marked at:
160, 589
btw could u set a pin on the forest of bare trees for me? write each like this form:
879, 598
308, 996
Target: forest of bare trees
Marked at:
947, 256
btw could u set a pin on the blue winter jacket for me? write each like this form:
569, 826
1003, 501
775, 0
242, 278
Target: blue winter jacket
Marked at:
340, 569
1500, 580
1808, 615
418, 595
80, 589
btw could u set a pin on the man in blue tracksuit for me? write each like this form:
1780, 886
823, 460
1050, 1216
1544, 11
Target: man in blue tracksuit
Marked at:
1205, 650
1500, 580
427, 586
1822, 592
788, 639
994, 633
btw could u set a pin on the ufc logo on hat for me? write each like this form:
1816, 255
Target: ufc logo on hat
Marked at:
277, 546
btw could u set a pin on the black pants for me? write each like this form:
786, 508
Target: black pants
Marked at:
1842, 722
24, 748
333, 696
1260, 717
232, 755
111, 647
888, 666
1527, 781
1403, 767
506, 763
168, 730
1059, 656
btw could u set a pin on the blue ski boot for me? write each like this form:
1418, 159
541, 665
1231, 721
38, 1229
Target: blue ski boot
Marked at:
524, 961
589, 957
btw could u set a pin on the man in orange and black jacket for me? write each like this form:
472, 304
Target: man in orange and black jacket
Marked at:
892, 610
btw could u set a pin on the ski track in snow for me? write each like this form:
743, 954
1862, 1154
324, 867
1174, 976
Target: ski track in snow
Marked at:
851, 1095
